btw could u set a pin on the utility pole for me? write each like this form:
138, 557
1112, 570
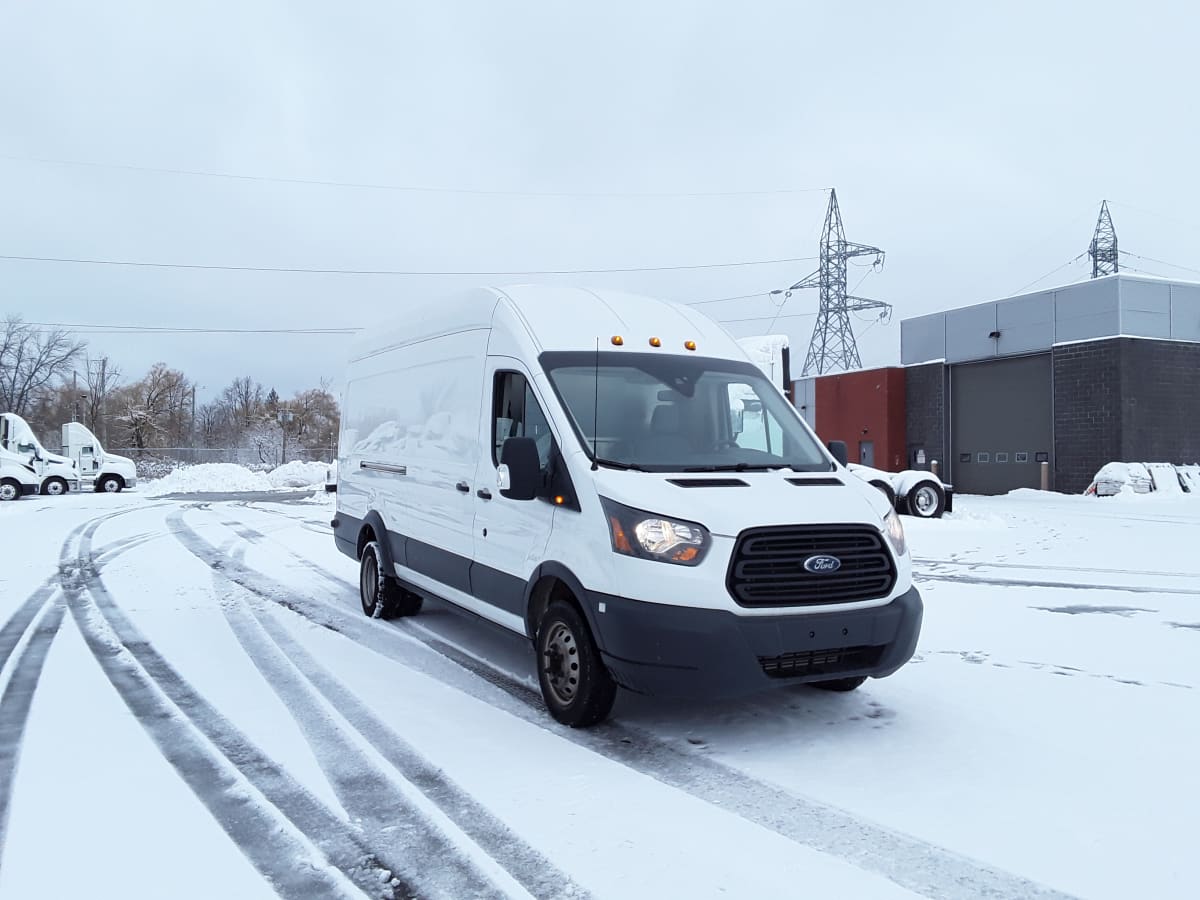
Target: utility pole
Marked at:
1103, 249
104, 399
833, 344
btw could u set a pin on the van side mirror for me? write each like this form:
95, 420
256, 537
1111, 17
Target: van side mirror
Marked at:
839, 452
519, 455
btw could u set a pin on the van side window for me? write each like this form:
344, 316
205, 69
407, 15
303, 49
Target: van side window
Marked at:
516, 413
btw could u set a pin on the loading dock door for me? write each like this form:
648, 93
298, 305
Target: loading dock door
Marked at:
1001, 424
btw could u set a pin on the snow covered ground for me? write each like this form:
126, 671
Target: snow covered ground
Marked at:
194, 706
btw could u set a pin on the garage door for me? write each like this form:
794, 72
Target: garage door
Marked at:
1001, 424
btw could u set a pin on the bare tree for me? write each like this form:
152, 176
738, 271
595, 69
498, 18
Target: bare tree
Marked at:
103, 378
30, 359
152, 408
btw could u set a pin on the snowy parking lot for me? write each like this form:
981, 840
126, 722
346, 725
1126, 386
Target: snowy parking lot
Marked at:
194, 706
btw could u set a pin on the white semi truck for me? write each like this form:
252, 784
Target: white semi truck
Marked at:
106, 472
17, 478
56, 474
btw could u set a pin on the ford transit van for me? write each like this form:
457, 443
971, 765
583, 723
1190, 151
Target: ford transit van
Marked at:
611, 477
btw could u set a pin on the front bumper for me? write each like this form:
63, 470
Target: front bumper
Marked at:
679, 651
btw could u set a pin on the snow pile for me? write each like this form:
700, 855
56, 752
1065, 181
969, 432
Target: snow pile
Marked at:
209, 477
297, 474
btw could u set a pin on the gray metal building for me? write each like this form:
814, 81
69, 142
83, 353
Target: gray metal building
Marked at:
1077, 376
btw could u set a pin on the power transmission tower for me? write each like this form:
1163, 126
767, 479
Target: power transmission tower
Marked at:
833, 344
1103, 249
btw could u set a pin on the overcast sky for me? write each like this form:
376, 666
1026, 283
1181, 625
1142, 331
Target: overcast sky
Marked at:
973, 142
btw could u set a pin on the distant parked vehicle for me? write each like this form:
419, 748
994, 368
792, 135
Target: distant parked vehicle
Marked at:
1144, 478
912, 492
17, 477
56, 474
106, 472
331, 477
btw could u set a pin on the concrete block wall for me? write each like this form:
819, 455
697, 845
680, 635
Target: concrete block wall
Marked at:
1124, 399
925, 414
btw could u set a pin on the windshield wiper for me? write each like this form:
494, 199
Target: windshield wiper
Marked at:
614, 464
736, 467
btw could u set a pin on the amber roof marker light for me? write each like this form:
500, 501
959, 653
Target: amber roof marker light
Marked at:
617, 340
655, 342
689, 345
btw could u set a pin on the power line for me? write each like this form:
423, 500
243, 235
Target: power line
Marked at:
394, 272
1048, 274
412, 189
766, 293
1161, 262
765, 318
167, 329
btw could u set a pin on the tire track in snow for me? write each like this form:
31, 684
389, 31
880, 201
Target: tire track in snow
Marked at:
377, 806
1020, 582
315, 856
531, 869
910, 862
15, 704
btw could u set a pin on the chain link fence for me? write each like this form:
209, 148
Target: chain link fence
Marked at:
242, 456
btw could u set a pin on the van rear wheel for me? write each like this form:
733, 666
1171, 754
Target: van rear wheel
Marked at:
576, 685
381, 596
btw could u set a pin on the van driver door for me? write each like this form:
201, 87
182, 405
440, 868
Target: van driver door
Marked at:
510, 535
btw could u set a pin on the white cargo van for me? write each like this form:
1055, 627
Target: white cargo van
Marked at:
17, 478
105, 472
56, 474
573, 465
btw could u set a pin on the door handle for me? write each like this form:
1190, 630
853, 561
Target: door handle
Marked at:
464, 487
483, 494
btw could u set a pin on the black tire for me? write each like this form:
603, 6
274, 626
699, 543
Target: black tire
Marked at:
110, 484
841, 685
887, 491
10, 489
382, 597
926, 499
576, 686
55, 487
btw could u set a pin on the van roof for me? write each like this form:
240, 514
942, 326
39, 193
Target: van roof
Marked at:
559, 318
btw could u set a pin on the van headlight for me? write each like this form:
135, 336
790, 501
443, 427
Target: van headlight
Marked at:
651, 536
894, 529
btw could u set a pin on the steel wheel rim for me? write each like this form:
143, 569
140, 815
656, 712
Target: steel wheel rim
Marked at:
560, 662
54, 488
8, 492
110, 486
926, 500
368, 583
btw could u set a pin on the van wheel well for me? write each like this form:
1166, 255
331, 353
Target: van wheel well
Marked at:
364, 537
546, 591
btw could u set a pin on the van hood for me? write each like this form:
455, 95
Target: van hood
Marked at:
727, 503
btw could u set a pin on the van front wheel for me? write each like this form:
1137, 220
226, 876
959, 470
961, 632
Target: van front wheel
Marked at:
382, 597
575, 683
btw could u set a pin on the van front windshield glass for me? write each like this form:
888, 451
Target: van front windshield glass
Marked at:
680, 414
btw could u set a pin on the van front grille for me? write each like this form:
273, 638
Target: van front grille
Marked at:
768, 566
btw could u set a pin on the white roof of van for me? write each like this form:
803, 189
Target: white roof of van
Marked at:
560, 318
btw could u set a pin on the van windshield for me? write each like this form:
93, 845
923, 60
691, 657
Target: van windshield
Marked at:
673, 413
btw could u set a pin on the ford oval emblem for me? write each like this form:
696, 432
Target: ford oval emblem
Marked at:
820, 565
